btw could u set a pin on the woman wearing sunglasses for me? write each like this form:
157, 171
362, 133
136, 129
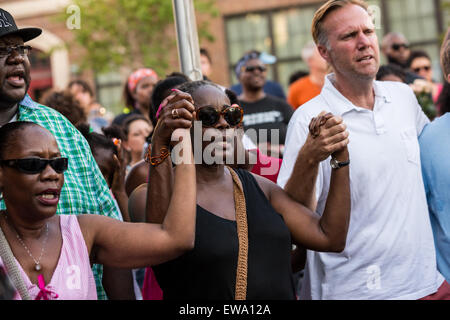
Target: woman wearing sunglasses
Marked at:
244, 222
420, 63
52, 254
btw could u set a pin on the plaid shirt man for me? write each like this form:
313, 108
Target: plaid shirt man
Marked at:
84, 190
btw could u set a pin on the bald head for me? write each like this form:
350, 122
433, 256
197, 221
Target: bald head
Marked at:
395, 47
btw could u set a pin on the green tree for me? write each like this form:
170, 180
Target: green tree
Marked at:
130, 33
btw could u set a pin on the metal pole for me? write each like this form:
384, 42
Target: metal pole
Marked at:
187, 38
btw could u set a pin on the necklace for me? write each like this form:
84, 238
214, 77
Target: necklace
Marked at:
37, 263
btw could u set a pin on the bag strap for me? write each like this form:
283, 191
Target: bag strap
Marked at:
11, 267
242, 231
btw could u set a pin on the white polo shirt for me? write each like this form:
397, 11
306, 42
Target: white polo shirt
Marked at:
390, 250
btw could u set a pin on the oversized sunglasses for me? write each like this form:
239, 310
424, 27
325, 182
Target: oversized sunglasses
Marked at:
253, 68
397, 46
425, 68
22, 50
36, 165
210, 116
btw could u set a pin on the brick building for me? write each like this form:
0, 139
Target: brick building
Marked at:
279, 27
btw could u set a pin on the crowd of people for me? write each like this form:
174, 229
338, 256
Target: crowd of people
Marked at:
336, 190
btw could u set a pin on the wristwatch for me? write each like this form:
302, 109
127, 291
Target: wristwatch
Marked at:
336, 164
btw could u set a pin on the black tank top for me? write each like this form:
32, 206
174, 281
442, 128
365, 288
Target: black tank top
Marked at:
208, 272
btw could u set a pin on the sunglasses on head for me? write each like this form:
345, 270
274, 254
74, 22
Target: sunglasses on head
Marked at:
209, 116
253, 68
426, 68
36, 165
397, 46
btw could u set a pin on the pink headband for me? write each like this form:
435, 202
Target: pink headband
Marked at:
138, 75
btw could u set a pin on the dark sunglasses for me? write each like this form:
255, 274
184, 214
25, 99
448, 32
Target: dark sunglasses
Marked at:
22, 50
209, 116
253, 68
426, 68
36, 165
397, 46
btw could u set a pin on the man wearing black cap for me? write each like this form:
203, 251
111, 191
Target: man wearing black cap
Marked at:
15, 67
85, 190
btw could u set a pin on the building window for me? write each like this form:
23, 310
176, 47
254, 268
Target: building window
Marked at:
292, 31
416, 19
245, 33
109, 91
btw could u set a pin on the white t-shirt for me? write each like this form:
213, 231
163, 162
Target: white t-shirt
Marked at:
390, 250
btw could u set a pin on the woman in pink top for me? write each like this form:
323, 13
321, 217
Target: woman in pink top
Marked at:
53, 253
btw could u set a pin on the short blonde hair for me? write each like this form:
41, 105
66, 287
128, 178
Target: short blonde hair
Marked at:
318, 33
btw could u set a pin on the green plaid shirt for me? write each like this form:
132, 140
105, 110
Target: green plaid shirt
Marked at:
84, 190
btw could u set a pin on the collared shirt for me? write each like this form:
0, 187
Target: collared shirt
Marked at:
390, 249
84, 190
434, 153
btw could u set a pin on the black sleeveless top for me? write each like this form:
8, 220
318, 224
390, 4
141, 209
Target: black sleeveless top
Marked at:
208, 272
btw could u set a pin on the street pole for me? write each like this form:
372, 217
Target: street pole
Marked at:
187, 38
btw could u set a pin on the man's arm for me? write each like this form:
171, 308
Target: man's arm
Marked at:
306, 167
305, 170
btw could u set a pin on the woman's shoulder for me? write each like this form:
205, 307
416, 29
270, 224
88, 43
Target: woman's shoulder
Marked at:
248, 178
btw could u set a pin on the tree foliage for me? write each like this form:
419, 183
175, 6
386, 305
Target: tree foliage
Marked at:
130, 33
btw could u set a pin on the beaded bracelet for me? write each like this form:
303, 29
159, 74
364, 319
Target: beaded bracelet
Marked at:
154, 161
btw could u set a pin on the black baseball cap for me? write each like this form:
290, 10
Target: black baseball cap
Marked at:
8, 27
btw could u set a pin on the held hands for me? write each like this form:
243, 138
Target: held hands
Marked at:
327, 136
175, 112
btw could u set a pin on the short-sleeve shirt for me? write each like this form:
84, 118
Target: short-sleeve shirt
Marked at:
301, 91
84, 190
434, 153
268, 117
389, 252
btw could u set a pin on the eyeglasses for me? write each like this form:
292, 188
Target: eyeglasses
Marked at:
425, 68
209, 116
397, 46
22, 50
253, 68
36, 165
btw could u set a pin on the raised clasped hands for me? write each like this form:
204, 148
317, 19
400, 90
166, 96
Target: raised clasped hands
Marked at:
175, 112
327, 136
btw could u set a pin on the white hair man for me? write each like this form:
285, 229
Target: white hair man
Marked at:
308, 87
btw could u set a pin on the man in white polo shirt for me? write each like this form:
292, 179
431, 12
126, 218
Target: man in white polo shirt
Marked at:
390, 250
